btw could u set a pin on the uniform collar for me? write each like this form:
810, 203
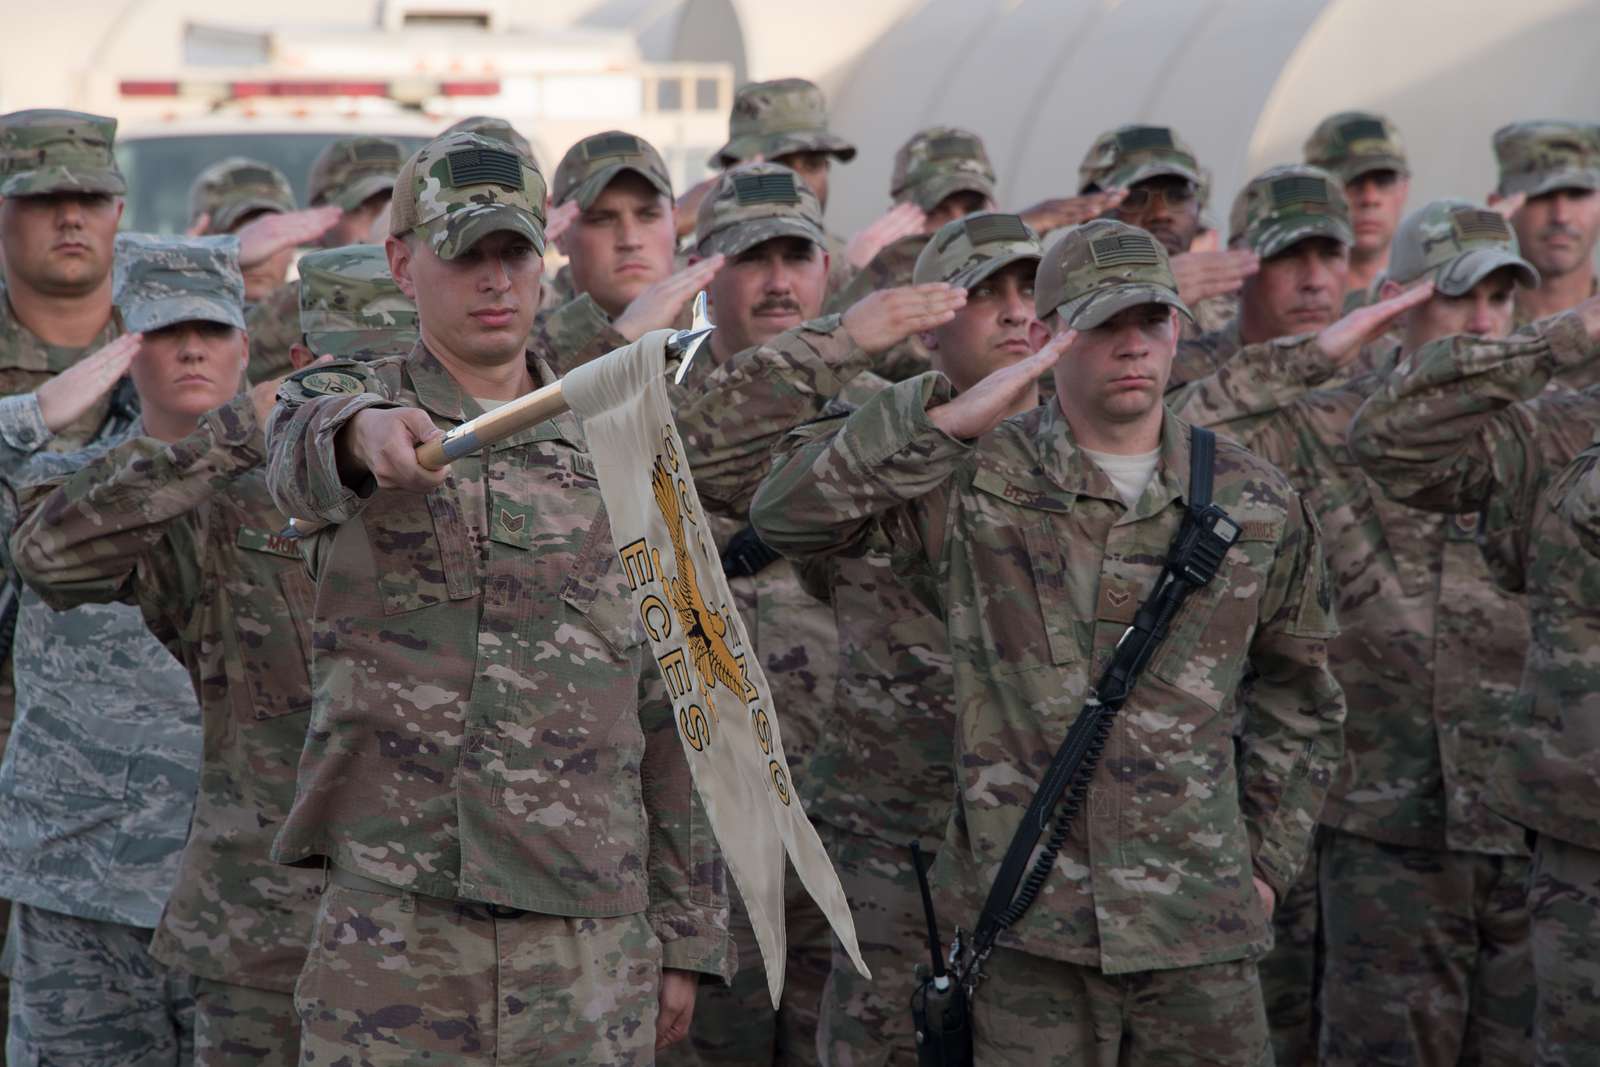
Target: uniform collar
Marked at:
1065, 463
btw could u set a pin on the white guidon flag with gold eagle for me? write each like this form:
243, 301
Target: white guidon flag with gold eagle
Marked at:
720, 698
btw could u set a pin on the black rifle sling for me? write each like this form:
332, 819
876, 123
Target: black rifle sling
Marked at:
1075, 761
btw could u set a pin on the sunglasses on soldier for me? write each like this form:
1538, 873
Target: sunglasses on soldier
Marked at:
1175, 192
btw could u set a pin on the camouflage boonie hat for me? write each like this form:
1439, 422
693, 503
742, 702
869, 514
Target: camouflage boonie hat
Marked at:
463, 187
1353, 143
45, 151
939, 162
1101, 268
500, 130
1459, 244
352, 170
159, 280
236, 187
965, 251
1287, 204
1129, 154
350, 304
755, 203
775, 118
1540, 157
591, 165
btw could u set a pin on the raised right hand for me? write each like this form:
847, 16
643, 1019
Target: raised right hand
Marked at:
882, 319
981, 408
67, 397
659, 306
382, 442
688, 207
1202, 275
1342, 340
273, 232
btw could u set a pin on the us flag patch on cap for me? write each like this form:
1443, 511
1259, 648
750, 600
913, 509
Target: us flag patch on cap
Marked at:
765, 189
1475, 224
1300, 189
1125, 250
484, 166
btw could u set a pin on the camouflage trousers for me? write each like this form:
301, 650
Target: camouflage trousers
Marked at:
403, 980
1291, 973
1427, 957
1564, 903
1037, 1012
237, 1026
868, 1023
735, 1024
88, 993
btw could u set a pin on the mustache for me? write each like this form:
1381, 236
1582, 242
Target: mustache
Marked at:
776, 304
1560, 229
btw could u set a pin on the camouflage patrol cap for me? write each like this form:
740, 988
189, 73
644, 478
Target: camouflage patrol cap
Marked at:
755, 203
160, 280
47, 151
965, 251
1353, 143
352, 170
500, 130
1287, 204
592, 164
1129, 154
349, 304
1100, 268
775, 118
229, 190
1457, 243
463, 187
1540, 157
939, 162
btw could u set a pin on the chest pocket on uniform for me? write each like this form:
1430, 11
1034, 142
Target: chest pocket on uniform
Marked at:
274, 645
1210, 638
1021, 552
597, 590
422, 550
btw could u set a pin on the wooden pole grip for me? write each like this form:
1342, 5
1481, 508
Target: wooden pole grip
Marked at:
495, 426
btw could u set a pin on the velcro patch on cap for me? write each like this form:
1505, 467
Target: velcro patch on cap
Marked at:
377, 152
952, 147
1363, 130
612, 144
988, 229
1141, 138
765, 189
1125, 250
484, 166
252, 176
1476, 224
1299, 189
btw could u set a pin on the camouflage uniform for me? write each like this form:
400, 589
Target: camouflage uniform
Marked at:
887, 752
351, 308
1422, 888
1540, 157
347, 173
513, 847
933, 165
779, 118
1158, 875
188, 533
728, 427
1124, 157
1480, 426
231, 190
1273, 212
96, 795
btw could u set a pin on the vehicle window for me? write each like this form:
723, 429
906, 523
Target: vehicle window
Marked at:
160, 169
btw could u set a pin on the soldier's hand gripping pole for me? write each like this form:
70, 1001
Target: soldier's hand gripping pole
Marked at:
546, 402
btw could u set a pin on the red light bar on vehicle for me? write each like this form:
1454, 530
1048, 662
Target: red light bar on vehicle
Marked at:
490, 87
148, 88
247, 90
299, 87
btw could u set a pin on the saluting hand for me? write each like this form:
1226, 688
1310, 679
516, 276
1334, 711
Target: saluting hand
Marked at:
270, 234
382, 443
67, 397
688, 206
981, 408
1343, 340
1203, 275
560, 220
1062, 211
902, 220
659, 306
879, 321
